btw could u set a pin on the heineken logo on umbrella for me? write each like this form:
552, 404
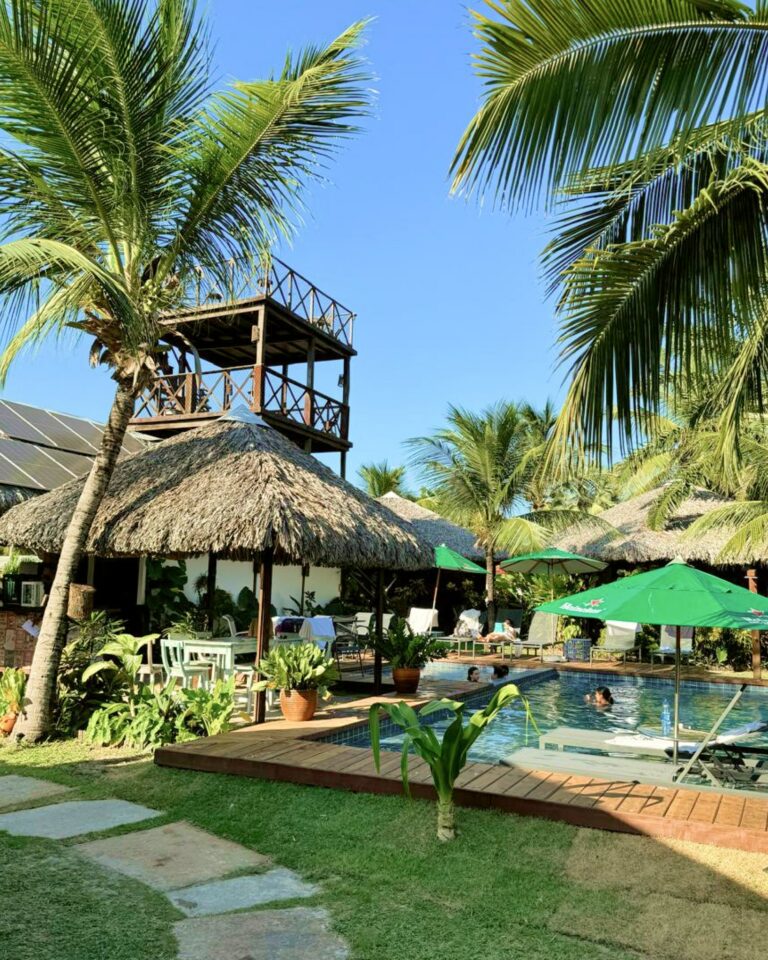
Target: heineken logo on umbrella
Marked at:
596, 603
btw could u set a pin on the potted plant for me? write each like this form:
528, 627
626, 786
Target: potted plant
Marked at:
300, 672
13, 683
407, 653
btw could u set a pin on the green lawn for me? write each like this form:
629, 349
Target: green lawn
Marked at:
508, 887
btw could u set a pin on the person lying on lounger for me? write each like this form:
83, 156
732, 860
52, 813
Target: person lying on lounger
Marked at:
510, 633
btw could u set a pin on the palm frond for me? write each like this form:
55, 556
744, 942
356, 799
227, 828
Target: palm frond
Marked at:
249, 153
648, 70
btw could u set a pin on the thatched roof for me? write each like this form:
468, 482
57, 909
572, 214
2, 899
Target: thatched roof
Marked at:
431, 527
636, 543
232, 488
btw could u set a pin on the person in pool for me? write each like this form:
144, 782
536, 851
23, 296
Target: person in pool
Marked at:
473, 675
601, 698
500, 672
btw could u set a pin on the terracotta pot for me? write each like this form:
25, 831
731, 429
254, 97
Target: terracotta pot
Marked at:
298, 705
406, 679
7, 723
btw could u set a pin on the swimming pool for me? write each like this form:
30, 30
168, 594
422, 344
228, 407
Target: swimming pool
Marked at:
557, 699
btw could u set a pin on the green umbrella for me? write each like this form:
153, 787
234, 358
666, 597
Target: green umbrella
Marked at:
447, 559
675, 595
551, 561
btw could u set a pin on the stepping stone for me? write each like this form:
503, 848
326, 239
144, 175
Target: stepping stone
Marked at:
60, 820
301, 933
238, 893
172, 856
15, 790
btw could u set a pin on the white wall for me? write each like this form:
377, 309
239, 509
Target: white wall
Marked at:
233, 575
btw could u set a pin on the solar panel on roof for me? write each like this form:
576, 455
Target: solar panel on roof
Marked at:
45, 466
16, 426
13, 468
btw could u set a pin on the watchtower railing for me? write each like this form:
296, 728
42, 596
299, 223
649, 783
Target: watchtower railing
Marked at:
184, 396
243, 280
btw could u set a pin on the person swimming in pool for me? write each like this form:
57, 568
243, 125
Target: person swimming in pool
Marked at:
601, 698
473, 675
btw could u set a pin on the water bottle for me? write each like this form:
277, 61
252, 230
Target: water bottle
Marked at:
666, 720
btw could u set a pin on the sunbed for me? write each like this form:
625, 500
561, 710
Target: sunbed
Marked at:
541, 633
620, 639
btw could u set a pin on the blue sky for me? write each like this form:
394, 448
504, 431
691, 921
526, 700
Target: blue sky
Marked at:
449, 299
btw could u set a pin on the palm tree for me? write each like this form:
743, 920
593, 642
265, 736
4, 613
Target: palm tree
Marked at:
122, 171
380, 478
647, 120
481, 469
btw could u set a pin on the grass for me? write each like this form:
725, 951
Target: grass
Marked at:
508, 888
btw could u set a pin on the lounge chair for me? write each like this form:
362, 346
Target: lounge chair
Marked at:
229, 622
422, 619
668, 640
620, 639
732, 765
542, 633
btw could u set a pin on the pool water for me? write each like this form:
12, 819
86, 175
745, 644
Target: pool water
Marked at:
558, 700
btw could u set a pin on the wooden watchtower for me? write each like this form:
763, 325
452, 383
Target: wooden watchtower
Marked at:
260, 341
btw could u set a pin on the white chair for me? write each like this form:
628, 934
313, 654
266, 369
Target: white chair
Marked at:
422, 620
620, 639
229, 622
318, 630
363, 624
176, 665
668, 642
150, 672
542, 633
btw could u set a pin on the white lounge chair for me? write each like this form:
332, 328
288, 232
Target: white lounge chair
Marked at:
422, 620
620, 639
668, 640
542, 633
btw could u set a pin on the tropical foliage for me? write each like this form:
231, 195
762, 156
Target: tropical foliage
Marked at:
297, 666
446, 757
147, 718
485, 472
661, 174
380, 478
13, 684
402, 648
123, 173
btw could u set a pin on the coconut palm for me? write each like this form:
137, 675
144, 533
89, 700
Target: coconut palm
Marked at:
649, 118
483, 470
380, 478
122, 171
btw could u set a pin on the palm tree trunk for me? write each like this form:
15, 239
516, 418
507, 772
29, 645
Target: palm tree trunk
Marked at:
490, 588
446, 819
35, 722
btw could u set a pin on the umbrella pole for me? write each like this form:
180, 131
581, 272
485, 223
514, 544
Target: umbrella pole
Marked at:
437, 584
677, 695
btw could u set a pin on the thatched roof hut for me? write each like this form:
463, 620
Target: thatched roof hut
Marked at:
637, 543
233, 488
433, 528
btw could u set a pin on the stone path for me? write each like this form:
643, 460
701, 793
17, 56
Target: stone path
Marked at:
17, 790
195, 871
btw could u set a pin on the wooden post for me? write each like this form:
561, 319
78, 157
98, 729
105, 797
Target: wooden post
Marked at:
265, 626
343, 464
259, 338
211, 588
304, 575
757, 669
345, 400
309, 396
379, 628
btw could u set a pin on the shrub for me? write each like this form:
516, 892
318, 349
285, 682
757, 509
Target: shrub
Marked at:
405, 649
297, 666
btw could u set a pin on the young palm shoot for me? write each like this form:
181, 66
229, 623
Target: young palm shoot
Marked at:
446, 758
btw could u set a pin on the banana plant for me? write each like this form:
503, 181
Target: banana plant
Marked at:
447, 757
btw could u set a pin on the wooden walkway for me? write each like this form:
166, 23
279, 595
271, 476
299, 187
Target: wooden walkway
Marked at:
291, 752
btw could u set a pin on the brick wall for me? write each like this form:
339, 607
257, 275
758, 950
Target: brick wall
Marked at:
18, 645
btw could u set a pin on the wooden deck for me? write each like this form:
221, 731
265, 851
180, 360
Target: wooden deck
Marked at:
279, 750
